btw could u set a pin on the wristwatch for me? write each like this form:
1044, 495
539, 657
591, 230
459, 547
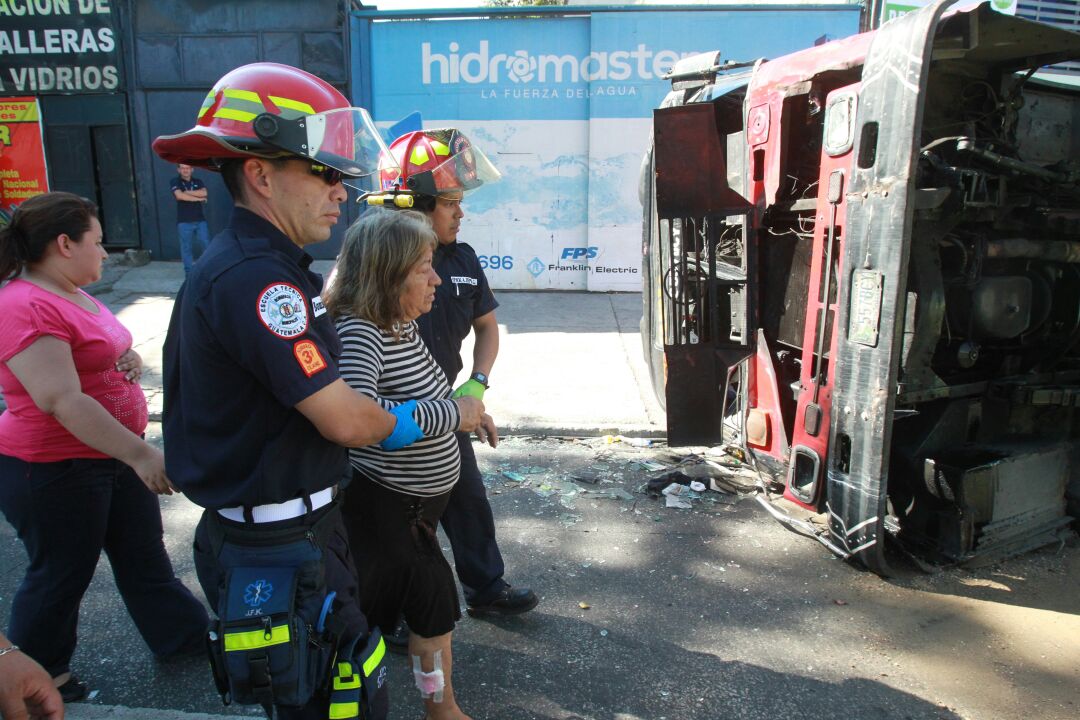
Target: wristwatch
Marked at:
480, 378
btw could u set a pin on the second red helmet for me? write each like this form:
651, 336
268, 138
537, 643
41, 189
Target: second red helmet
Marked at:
434, 162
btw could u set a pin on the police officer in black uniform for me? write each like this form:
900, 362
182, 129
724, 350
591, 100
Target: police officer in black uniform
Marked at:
437, 167
255, 412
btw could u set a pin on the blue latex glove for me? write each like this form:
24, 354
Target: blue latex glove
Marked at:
406, 431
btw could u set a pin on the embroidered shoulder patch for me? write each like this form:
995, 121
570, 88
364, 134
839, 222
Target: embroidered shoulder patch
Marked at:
308, 355
283, 310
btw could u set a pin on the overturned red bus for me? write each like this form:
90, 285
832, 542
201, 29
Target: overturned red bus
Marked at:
862, 263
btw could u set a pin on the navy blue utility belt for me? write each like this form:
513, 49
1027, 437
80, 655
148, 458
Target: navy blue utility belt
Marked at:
277, 640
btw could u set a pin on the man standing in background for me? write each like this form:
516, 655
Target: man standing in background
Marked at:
190, 194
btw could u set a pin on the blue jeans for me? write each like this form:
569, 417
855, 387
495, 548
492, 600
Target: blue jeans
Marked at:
65, 513
191, 234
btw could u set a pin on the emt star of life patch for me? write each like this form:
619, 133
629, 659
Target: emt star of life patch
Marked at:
283, 310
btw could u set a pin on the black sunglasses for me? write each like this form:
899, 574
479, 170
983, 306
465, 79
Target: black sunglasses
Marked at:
331, 176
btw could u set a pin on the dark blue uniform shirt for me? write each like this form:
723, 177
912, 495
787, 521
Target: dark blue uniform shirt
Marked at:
248, 339
188, 210
463, 297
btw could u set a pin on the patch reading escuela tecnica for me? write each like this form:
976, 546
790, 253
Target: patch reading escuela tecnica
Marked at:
283, 310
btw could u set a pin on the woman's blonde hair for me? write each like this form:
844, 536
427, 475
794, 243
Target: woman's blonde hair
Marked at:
379, 250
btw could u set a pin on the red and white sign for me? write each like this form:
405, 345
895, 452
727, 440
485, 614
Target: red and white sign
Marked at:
22, 154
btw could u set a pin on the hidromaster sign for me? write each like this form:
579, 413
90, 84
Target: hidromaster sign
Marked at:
563, 107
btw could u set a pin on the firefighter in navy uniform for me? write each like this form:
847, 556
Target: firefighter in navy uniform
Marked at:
256, 414
435, 168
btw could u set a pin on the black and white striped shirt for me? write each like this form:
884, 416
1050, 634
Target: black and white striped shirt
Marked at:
392, 372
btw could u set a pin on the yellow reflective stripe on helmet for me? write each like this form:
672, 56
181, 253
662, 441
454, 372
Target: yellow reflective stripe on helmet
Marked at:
376, 657
441, 149
418, 156
207, 103
288, 104
254, 639
343, 711
234, 94
231, 114
239, 105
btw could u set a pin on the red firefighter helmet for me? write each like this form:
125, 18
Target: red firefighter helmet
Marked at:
433, 162
272, 110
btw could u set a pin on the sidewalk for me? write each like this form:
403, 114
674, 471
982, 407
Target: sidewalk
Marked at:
570, 363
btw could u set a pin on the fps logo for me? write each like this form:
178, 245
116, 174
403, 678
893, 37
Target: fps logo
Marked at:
577, 253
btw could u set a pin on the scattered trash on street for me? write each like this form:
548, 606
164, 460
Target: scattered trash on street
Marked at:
624, 469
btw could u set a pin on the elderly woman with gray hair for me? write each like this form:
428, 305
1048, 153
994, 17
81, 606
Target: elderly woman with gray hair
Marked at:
384, 282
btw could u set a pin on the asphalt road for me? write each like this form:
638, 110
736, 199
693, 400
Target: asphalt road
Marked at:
701, 614
649, 613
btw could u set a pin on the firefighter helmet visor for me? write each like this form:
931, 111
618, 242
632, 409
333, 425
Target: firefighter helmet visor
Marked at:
344, 139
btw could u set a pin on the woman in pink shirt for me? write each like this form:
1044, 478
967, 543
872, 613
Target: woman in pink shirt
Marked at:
76, 476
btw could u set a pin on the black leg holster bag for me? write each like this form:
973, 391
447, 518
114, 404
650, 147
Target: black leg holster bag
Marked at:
276, 638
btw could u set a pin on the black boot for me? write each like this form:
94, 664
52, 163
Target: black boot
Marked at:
508, 601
